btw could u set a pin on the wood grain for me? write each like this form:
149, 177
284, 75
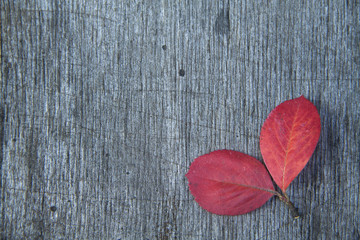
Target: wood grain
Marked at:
104, 105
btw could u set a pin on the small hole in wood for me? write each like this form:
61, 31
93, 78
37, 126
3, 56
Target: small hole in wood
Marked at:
182, 72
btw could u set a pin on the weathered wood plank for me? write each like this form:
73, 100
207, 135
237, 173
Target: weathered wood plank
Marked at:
104, 104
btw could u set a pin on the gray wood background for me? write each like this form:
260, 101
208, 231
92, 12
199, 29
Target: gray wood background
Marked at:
104, 105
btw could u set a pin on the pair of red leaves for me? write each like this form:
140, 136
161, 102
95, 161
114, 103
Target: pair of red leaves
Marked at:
227, 182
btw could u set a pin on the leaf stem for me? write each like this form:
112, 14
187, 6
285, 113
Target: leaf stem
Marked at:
285, 198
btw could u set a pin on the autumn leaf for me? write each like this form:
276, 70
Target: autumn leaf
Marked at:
288, 139
227, 182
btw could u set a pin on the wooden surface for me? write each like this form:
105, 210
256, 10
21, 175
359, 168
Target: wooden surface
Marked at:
104, 105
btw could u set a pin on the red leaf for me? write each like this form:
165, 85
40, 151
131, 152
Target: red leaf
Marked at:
288, 139
227, 182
